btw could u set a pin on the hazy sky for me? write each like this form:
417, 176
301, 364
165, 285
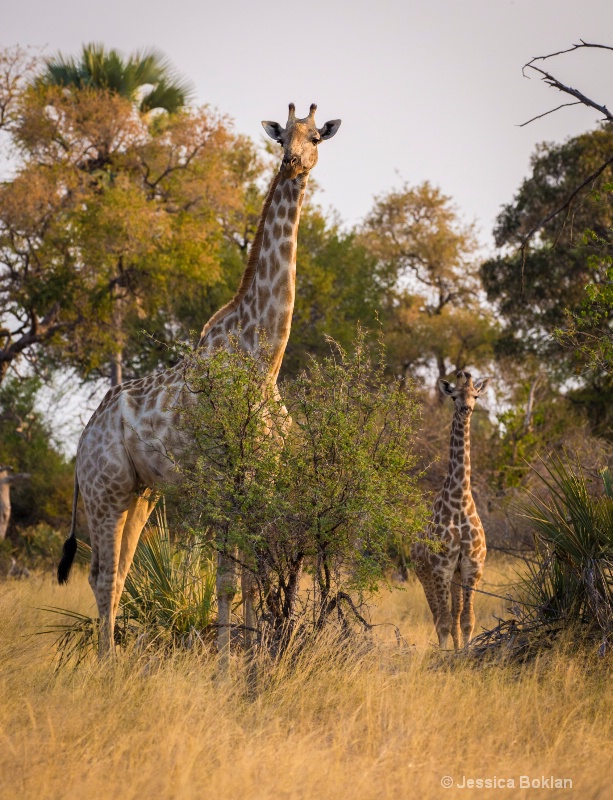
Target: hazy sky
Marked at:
426, 89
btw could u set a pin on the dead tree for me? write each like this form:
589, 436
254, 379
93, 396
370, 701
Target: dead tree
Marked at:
7, 477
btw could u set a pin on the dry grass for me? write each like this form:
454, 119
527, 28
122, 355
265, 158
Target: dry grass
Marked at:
385, 724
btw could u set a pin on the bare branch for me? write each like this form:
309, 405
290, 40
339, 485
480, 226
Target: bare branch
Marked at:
556, 84
539, 116
569, 50
581, 99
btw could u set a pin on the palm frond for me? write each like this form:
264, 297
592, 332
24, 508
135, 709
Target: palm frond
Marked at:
146, 78
572, 576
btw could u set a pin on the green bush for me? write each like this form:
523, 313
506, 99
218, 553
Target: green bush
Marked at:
323, 495
169, 594
571, 579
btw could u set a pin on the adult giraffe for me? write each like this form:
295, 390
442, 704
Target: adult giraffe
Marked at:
122, 453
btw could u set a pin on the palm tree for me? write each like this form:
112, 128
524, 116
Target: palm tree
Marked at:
146, 78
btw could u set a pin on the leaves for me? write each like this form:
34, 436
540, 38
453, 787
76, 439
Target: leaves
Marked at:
572, 578
146, 77
325, 493
110, 220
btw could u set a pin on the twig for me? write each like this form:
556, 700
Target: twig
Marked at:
544, 114
508, 599
569, 50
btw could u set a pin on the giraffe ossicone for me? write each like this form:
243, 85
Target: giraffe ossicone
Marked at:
456, 567
122, 455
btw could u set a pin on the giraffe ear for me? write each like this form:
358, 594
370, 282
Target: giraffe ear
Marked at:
445, 387
273, 129
481, 385
329, 128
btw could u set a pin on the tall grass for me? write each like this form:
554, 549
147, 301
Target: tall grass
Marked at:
378, 724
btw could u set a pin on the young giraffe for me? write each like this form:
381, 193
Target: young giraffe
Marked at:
122, 453
456, 525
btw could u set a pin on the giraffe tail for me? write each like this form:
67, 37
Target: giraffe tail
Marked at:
70, 545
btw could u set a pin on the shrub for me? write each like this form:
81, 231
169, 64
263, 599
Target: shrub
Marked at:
323, 495
571, 578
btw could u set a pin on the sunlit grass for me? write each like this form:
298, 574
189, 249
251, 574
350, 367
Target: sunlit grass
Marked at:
381, 722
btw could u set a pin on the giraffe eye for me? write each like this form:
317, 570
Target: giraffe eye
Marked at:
316, 141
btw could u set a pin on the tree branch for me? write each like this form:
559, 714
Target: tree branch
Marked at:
556, 84
540, 116
581, 99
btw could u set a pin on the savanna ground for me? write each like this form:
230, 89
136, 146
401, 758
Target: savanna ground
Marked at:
384, 722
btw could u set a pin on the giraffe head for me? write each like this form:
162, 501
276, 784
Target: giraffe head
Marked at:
299, 140
465, 392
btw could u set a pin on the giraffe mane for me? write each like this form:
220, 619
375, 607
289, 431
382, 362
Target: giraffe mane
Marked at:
252, 263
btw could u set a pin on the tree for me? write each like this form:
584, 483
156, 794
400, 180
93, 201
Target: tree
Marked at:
146, 81
567, 256
426, 260
110, 221
324, 494
551, 291
580, 99
28, 448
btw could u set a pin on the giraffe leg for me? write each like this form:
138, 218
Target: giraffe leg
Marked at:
107, 534
456, 608
471, 575
442, 585
138, 514
424, 573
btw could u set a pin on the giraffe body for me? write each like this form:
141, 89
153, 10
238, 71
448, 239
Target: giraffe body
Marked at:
453, 571
132, 442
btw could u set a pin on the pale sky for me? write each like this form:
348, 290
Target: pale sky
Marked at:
427, 89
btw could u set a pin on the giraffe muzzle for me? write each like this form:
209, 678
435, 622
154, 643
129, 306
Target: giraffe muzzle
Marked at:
292, 166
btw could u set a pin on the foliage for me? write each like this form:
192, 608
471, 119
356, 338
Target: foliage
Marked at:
27, 446
450, 340
231, 459
350, 470
589, 330
416, 232
533, 299
425, 258
145, 78
339, 286
534, 418
170, 589
571, 578
111, 218
325, 493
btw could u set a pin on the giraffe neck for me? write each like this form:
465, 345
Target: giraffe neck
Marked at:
274, 285
263, 306
459, 454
